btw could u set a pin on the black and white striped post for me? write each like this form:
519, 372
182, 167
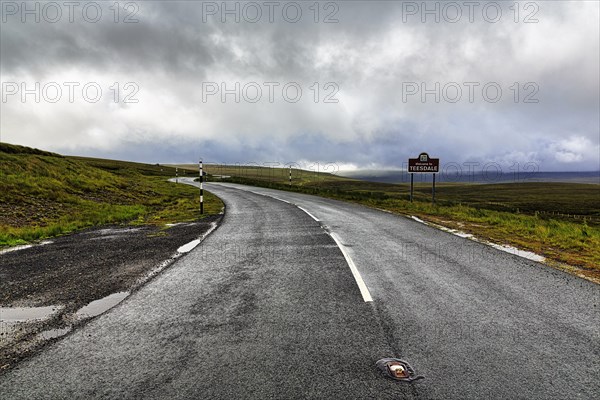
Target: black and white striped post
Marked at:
176, 175
201, 188
290, 175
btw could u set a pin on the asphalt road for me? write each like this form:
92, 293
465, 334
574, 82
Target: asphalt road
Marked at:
268, 307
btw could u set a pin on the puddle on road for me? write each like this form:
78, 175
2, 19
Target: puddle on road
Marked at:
98, 307
521, 253
189, 246
25, 246
16, 248
15, 320
186, 248
26, 314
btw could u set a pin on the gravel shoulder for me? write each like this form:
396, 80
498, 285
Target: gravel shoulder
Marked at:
69, 272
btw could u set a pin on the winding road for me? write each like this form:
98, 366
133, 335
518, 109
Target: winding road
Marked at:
296, 296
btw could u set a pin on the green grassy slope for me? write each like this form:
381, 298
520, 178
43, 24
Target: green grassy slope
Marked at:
44, 194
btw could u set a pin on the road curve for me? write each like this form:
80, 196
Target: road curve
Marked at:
268, 307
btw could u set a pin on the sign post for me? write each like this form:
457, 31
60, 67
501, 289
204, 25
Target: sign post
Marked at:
433, 190
423, 164
201, 189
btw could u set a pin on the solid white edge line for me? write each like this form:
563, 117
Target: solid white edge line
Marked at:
529, 255
273, 197
309, 214
364, 290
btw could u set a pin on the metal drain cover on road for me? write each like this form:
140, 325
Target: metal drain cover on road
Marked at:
397, 369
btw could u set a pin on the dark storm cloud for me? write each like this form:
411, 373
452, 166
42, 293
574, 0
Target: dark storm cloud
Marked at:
374, 50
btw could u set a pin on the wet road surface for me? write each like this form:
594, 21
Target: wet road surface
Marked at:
268, 306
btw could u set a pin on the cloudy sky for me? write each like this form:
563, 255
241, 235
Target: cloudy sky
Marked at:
359, 83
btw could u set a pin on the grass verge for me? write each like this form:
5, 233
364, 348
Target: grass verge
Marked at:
45, 195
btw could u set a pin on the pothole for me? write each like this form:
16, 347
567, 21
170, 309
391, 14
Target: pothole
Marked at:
398, 370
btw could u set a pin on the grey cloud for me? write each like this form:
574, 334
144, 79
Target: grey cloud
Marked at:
370, 53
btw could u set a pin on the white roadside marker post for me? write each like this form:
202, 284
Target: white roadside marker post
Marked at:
176, 175
290, 175
201, 189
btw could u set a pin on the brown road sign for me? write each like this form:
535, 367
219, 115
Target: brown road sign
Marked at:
424, 164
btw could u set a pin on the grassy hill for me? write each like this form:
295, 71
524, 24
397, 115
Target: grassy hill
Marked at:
45, 194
